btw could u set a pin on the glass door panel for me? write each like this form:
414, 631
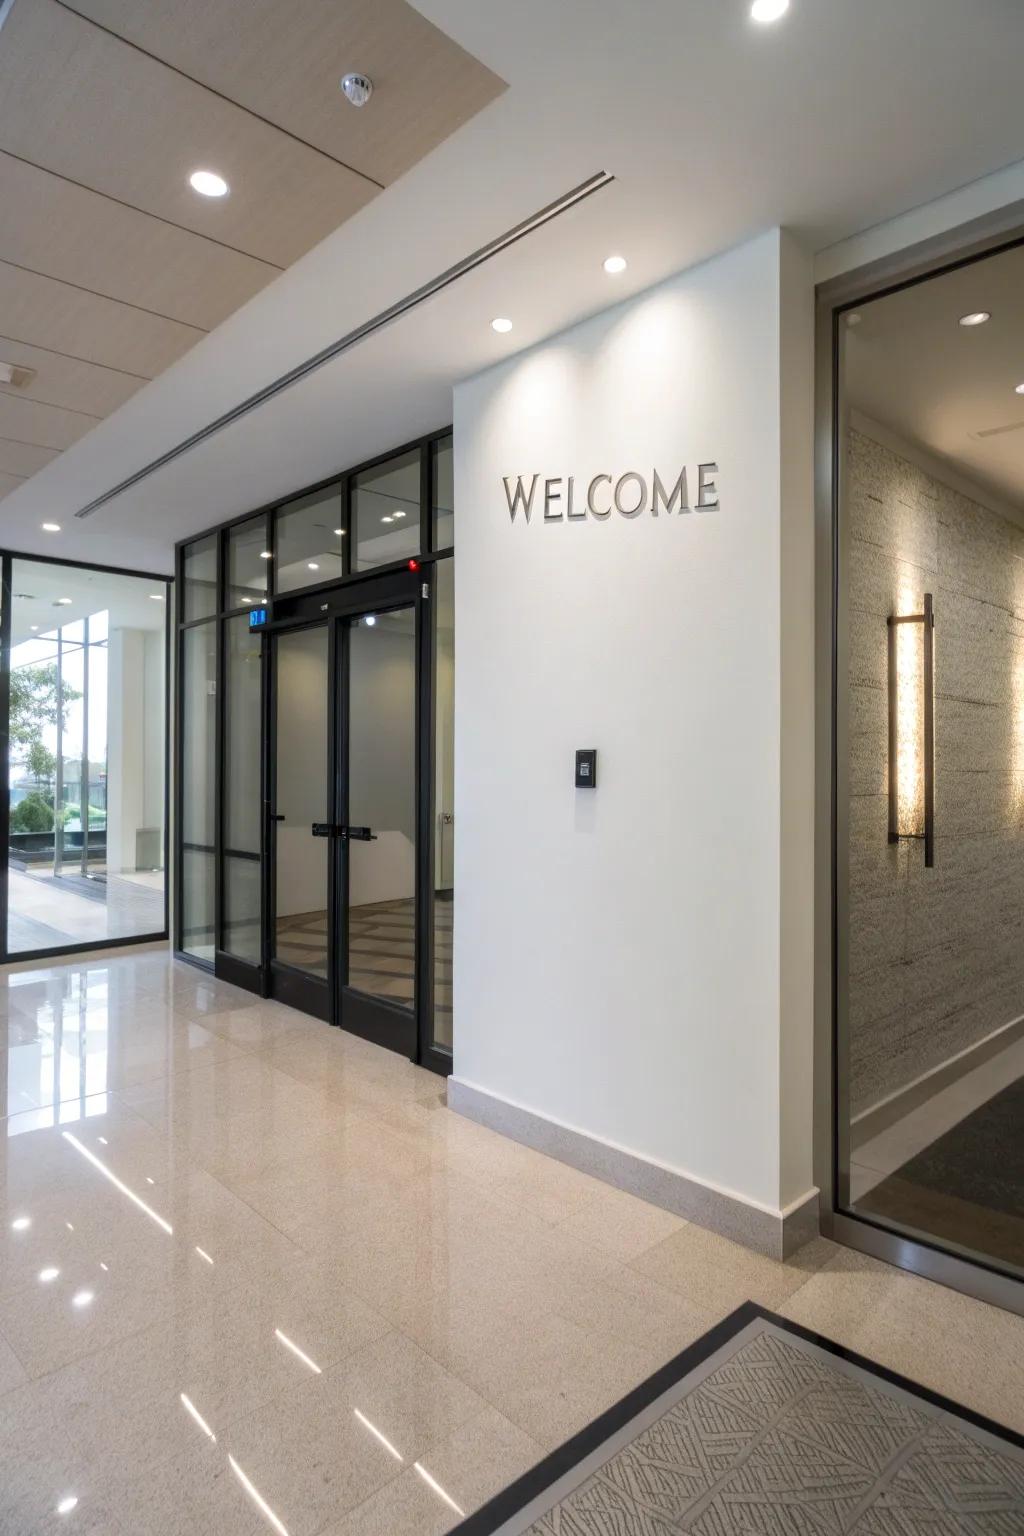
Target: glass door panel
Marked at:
379, 742
302, 797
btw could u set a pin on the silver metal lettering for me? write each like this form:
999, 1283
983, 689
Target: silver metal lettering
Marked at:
641, 500
590, 497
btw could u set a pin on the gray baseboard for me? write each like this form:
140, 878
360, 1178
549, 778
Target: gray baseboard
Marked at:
778, 1236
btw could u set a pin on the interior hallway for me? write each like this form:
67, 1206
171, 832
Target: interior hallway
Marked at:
252, 1270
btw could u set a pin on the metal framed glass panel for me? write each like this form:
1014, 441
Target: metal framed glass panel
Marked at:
85, 775
271, 715
199, 579
197, 797
927, 615
242, 809
301, 800
443, 510
248, 563
386, 505
310, 537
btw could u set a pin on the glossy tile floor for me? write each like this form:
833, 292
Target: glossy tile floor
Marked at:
254, 1276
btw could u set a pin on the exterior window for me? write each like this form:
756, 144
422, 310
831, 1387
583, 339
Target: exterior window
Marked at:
386, 512
87, 658
310, 541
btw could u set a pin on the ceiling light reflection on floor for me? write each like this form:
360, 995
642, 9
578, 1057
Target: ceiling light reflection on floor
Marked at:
21, 1223
296, 1351
49, 1274
976, 317
191, 1408
67, 1504
117, 1183
83, 1298
257, 1498
432, 1482
385, 1442
203, 1254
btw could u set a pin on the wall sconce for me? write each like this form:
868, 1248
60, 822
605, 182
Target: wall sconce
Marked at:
912, 729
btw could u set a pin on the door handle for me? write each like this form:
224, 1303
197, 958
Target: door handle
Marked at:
325, 829
275, 817
359, 834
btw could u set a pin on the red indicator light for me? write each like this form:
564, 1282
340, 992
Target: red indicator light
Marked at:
414, 565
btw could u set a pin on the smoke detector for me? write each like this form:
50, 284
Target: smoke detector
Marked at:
357, 89
10, 373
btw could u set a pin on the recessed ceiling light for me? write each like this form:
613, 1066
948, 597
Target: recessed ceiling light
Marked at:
398, 512
613, 264
33, 627
62, 602
1020, 389
265, 554
853, 320
208, 184
51, 527
339, 533
156, 597
976, 317
313, 565
371, 619
768, 10
387, 519
501, 325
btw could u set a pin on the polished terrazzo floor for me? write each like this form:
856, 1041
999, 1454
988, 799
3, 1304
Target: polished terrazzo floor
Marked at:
254, 1276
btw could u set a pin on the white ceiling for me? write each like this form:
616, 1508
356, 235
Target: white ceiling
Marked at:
837, 118
910, 365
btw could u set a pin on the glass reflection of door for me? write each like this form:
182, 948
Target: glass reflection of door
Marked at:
377, 837
300, 801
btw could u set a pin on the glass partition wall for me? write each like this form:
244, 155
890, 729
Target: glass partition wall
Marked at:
83, 799
315, 750
929, 753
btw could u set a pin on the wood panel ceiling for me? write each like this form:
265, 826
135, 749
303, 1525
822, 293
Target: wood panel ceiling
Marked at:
111, 267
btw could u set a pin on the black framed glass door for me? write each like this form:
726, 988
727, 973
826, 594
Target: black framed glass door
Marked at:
300, 806
344, 815
377, 834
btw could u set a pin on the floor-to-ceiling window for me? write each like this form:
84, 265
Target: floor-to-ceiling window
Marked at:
271, 694
85, 769
929, 850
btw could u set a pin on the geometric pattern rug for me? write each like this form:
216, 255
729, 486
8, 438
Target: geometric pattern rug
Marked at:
764, 1429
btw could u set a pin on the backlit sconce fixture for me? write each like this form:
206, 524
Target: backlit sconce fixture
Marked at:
912, 728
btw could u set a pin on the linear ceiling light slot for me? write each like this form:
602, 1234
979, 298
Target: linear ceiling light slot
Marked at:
353, 338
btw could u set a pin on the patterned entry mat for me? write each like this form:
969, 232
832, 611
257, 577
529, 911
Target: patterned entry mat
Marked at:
764, 1429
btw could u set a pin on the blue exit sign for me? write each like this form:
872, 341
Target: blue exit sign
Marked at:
257, 618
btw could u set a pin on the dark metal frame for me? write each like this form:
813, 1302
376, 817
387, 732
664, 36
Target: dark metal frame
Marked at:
331, 602
927, 623
7, 559
869, 1234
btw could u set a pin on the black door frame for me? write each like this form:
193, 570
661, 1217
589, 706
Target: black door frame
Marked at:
388, 1025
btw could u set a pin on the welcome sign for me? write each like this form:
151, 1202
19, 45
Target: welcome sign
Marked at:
628, 495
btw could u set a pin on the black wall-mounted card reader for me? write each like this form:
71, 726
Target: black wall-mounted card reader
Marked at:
586, 768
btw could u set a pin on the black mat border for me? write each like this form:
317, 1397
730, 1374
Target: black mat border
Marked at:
492, 1515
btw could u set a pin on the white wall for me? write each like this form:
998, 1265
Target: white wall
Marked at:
617, 952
